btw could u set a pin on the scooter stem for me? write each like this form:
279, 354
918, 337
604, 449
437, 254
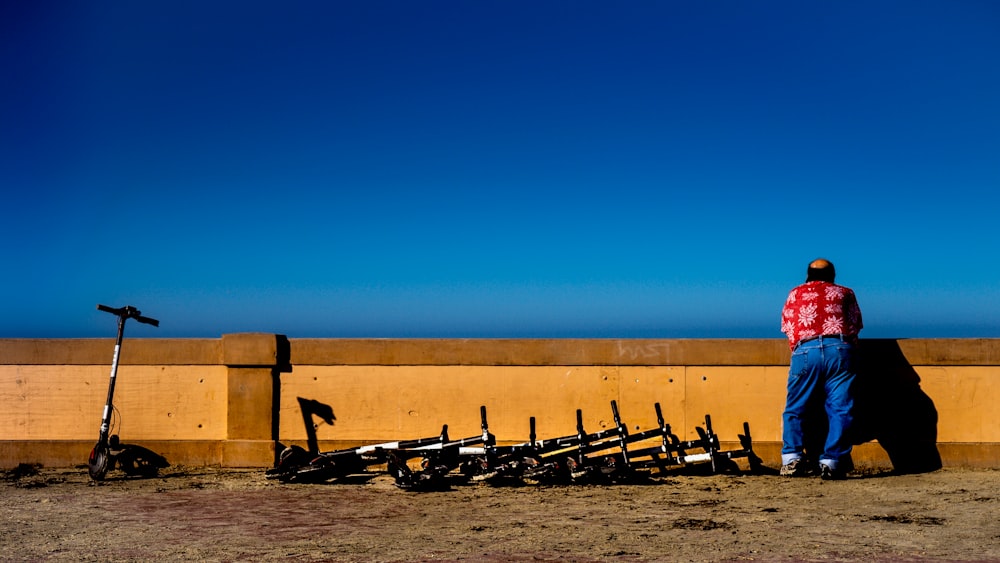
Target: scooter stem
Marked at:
106, 417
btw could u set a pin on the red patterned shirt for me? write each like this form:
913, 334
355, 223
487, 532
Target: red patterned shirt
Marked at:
816, 308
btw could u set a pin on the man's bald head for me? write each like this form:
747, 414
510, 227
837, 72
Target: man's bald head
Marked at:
821, 269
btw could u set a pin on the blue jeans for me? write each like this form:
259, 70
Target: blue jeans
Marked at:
821, 369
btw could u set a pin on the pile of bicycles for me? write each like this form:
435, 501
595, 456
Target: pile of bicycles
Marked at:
611, 455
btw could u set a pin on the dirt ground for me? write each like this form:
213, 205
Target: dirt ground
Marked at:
211, 514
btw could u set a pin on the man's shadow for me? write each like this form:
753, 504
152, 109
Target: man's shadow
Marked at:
893, 409
890, 407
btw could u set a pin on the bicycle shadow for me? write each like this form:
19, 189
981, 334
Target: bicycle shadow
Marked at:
892, 409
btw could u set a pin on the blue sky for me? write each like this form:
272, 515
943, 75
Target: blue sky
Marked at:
496, 169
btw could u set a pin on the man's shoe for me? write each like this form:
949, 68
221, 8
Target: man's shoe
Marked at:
794, 468
827, 473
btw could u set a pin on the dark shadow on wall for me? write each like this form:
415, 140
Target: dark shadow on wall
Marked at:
283, 364
323, 411
295, 456
892, 408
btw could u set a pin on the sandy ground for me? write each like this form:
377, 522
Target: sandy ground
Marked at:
208, 514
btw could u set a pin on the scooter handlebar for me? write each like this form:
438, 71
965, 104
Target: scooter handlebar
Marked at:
128, 312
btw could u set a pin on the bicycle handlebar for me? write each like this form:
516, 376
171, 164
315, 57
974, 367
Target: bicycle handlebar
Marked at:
128, 312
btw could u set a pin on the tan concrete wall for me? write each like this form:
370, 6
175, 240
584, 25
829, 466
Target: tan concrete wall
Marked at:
233, 401
153, 402
387, 389
195, 401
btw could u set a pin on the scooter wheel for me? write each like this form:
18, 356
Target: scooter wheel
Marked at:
97, 465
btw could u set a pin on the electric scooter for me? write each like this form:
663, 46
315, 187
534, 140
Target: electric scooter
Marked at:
108, 451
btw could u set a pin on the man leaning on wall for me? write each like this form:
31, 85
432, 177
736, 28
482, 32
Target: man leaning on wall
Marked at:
821, 320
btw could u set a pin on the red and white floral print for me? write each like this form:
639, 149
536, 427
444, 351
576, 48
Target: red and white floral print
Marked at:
815, 308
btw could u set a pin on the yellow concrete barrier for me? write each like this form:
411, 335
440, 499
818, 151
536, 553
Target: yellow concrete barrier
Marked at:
235, 401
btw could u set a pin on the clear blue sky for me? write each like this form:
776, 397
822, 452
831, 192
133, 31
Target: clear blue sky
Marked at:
496, 169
